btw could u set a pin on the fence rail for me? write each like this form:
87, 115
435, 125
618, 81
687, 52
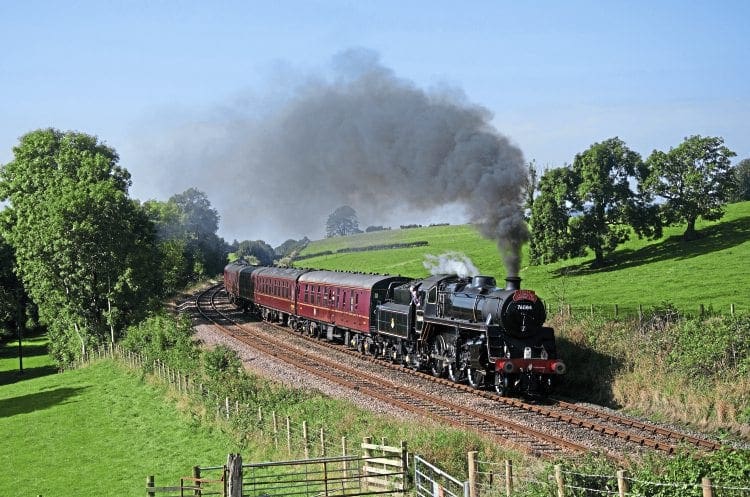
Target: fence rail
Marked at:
381, 471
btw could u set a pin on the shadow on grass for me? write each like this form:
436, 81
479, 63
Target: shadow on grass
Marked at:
25, 404
14, 376
675, 248
590, 374
30, 349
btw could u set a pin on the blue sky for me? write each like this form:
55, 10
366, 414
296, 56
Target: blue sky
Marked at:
557, 76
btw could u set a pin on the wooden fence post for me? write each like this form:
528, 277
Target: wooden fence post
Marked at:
150, 486
234, 463
343, 454
622, 484
702, 310
288, 436
197, 479
368, 456
275, 429
473, 473
304, 439
708, 489
322, 442
731, 309
640, 313
405, 461
560, 481
617, 310
508, 477
226, 406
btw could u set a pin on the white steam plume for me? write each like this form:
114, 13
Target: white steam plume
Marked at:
450, 263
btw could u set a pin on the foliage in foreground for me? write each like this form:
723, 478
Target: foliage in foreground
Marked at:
690, 370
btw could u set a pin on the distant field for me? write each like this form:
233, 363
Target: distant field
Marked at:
58, 428
712, 271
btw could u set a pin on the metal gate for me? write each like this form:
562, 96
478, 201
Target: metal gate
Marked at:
431, 481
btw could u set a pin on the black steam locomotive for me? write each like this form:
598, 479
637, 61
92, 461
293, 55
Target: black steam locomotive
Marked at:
466, 329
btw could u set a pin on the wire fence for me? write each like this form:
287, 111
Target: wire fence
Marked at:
640, 312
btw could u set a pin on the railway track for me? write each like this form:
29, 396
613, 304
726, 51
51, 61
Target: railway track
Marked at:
630, 431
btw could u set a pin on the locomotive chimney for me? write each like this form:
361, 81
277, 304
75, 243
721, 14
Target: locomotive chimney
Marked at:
513, 283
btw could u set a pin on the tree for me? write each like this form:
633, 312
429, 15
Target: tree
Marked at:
84, 251
260, 250
695, 179
186, 229
10, 289
200, 223
342, 222
741, 191
602, 177
550, 216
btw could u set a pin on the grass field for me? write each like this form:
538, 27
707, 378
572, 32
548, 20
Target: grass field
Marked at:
712, 271
93, 431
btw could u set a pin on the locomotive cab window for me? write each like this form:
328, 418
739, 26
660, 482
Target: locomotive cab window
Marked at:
432, 296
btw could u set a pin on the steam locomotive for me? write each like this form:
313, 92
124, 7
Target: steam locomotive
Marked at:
466, 329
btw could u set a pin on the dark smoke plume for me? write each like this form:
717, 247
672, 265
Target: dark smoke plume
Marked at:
376, 142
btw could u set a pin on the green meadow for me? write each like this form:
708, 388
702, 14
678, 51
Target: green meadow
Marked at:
93, 431
712, 271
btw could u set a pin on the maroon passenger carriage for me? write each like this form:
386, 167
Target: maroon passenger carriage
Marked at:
330, 304
340, 305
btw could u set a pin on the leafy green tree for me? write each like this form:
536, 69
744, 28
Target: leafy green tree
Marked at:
186, 229
342, 222
84, 250
604, 200
550, 217
260, 250
741, 191
695, 179
10, 289
200, 222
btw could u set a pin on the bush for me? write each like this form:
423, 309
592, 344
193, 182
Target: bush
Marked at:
713, 348
221, 362
168, 339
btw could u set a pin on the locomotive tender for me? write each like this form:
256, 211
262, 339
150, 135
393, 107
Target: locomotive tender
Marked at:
466, 329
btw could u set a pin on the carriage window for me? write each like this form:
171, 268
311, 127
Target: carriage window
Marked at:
351, 303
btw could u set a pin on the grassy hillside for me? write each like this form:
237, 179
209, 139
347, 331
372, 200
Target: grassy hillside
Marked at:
712, 270
94, 431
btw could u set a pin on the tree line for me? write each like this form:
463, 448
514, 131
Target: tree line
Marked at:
82, 259
610, 192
